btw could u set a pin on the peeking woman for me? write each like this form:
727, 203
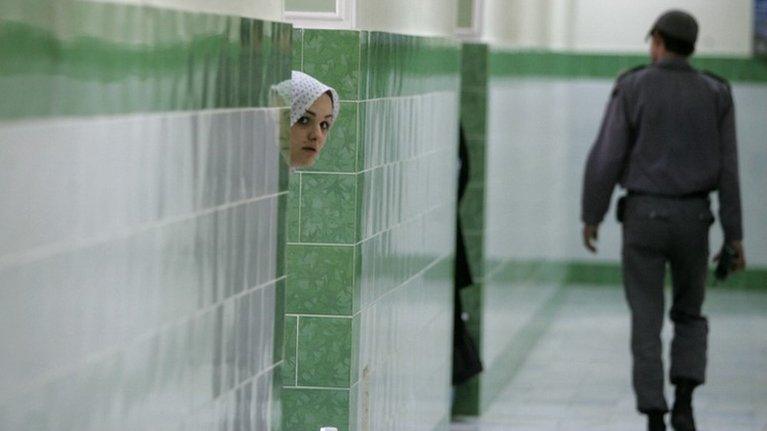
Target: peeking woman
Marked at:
313, 110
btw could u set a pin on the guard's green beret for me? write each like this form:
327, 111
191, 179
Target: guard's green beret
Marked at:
677, 24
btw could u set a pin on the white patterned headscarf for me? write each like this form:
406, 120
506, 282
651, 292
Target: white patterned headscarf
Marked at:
303, 90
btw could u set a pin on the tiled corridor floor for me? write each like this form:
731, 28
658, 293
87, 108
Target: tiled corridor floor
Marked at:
577, 378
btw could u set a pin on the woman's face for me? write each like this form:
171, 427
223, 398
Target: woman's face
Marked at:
307, 136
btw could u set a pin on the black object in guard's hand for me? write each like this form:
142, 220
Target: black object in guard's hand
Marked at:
726, 262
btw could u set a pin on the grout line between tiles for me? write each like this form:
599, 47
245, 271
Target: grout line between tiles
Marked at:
239, 386
406, 282
411, 96
322, 244
298, 321
64, 119
315, 388
53, 249
63, 370
326, 316
379, 233
300, 199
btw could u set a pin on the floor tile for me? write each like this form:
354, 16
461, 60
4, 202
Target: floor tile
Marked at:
577, 378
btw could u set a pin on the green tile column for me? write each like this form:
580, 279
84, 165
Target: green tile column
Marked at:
474, 105
370, 238
323, 234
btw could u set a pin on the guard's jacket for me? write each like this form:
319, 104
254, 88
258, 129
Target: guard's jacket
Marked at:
669, 130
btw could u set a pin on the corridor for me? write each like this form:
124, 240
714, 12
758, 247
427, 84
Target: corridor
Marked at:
577, 377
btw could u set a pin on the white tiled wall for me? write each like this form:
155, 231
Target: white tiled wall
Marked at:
139, 285
408, 219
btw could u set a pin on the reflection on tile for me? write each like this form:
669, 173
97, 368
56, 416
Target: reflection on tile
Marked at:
370, 274
89, 58
141, 281
578, 375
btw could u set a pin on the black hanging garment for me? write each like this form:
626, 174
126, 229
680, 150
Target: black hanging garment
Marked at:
466, 361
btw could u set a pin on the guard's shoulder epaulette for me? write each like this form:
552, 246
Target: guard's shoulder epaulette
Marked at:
633, 70
716, 77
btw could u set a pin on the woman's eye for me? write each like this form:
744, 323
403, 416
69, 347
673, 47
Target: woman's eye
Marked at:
325, 125
303, 120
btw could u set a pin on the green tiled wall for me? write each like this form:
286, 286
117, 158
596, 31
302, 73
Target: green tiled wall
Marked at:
370, 236
474, 93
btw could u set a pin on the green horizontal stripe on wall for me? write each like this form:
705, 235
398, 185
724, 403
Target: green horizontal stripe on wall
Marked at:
604, 274
576, 65
81, 58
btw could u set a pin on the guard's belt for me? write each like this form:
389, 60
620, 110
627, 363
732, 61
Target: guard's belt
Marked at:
684, 197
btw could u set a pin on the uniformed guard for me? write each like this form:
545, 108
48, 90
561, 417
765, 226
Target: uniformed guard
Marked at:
668, 138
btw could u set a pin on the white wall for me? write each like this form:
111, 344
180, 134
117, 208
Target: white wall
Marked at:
536, 175
621, 25
613, 26
270, 10
417, 17
521, 22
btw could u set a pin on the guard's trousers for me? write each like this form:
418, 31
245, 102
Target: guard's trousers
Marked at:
658, 231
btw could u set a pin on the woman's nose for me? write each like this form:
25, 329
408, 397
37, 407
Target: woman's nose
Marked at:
316, 132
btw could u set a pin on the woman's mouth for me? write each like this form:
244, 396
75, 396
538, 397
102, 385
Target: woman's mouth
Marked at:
309, 149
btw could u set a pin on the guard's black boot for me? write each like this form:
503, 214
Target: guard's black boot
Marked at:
681, 415
655, 421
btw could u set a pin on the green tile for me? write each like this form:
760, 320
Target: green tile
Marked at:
282, 232
477, 161
474, 113
340, 152
356, 334
474, 63
475, 252
310, 409
321, 279
277, 388
294, 209
328, 208
291, 337
357, 279
279, 321
324, 351
333, 57
467, 398
472, 209
593, 273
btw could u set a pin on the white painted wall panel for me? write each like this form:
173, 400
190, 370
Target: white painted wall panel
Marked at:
540, 132
421, 17
613, 26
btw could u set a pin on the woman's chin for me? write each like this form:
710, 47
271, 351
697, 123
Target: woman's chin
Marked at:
306, 161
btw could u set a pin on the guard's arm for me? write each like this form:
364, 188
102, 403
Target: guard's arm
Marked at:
606, 159
730, 212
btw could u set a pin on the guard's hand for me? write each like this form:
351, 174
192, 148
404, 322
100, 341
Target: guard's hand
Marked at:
739, 263
590, 235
